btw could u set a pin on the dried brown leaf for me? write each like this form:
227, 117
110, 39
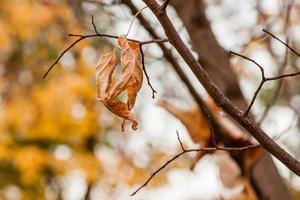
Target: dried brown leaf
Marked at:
106, 66
131, 79
132, 74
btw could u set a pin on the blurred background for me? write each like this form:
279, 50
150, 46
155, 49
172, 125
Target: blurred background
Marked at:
58, 142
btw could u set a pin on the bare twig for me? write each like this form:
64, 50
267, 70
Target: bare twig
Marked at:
94, 26
260, 84
218, 96
283, 76
282, 42
83, 37
279, 85
61, 55
145, 72
185, 151
264, 79
181, 144
134, 19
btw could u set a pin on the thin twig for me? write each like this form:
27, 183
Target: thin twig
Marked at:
134, 19
264, 79
283, 65
277, 89
153, 41
61, 55
259, 86
283, 76
94, 26
185, 151
282, 42
83, 37
181, 144
145, 72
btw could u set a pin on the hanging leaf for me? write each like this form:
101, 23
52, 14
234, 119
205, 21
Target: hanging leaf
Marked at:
130, 82
132, 74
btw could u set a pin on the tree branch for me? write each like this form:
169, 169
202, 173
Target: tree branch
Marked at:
185, 151
165, 4
97, 34
172, 60
264, 79
218, 96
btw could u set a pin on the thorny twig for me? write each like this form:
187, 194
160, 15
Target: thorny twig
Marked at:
97, 34
185, 151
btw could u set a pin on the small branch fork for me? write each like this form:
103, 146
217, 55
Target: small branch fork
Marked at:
185, 151
277, 89
264, 79
97, 34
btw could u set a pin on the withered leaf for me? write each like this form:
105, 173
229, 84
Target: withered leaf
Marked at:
131, 80
106, 66
132, 74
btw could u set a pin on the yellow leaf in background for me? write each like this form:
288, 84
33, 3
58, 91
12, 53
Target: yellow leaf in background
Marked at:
194, 121
131, 79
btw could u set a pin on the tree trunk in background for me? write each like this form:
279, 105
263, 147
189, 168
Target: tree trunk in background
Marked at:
265, 178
